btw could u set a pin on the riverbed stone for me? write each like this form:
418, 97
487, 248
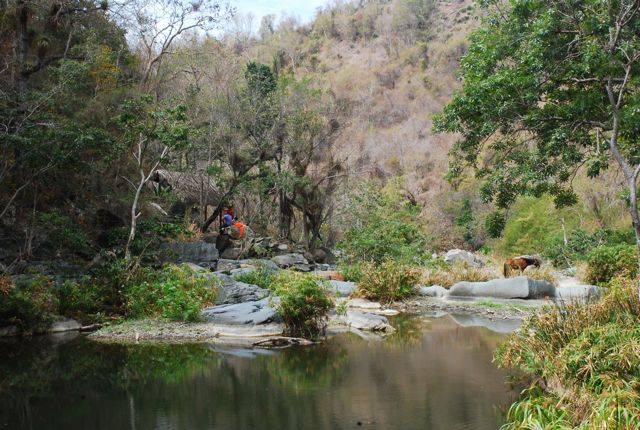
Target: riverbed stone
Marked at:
63, 325
231, 291
259, 263
342, 288
432, 291
368, 321
520, 287
286, 261
461, 256
248, 313
226, 266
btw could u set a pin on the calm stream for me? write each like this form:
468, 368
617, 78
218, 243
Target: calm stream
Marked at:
432, 374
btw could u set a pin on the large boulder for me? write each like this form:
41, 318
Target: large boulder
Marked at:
461, 256
231, 291
63, 325
200, 253
578, 293
520, 287
432, 291
341, 288
248, 313
367, 321
226, 266
286, 261
231, 253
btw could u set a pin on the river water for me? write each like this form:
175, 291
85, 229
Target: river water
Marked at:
434, 373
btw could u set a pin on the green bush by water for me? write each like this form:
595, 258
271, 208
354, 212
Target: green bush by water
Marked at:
388, 281
304, 302
28, 302
175, 293
261, 277
588, 356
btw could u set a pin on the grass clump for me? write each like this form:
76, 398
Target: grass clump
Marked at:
28, 302
261, 277
447, 275
303, 303
586, 359
175, 293
607, 262
387, 282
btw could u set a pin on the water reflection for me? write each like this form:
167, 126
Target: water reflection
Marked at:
432, 374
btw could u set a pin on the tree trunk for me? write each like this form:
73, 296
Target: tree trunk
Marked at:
286, 215
134, 217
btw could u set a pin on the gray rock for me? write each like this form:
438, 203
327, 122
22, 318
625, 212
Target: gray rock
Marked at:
196, 268
301, 267
519, 287
227, 266
432, 291
461, 256
200, 253
285, 261
578, 293
342, 288
261, 263
367, 321
231, 253
67, 324
242, 271
252, 313
231, 291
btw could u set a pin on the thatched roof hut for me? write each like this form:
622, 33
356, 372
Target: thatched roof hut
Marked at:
190, 188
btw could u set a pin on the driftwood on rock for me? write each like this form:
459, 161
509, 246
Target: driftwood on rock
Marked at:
282, 342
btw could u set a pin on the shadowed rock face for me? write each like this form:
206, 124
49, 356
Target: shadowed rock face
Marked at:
253, 312
200, 253
520, 287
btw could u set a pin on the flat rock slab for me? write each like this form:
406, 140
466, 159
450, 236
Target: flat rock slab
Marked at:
520, 287
342, 288
239, 292
64, 325
247, 313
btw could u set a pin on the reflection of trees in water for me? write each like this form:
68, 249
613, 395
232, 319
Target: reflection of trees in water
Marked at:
308, 368
42, 369
409, 331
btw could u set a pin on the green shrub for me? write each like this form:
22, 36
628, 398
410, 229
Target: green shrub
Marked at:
261, 277
85, 297
351, 272
607, 262
579, 243
28, 302
385, 227
304, 303
63, 234
387, 281
174, 293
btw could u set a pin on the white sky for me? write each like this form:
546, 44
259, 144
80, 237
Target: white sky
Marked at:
304, 9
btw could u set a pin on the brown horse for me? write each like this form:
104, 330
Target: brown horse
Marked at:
520, 263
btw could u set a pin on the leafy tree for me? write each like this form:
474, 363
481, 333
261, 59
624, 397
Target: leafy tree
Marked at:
549, 87
152, 131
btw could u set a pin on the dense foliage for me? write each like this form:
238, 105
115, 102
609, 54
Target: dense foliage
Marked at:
588, 355
589, 114
28, 302
303, 303
175, 293
607, 262
385, 226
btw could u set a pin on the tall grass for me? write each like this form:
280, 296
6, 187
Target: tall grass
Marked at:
586, 358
